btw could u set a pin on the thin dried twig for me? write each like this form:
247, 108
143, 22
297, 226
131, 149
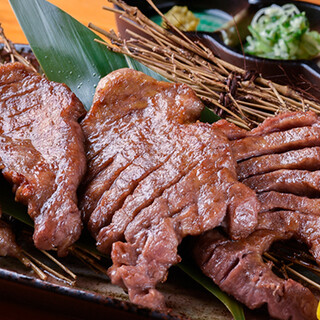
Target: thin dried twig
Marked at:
302, 263
28, 263
49, 270
292, 271
77, 252
58, 263
94, 255
14, 54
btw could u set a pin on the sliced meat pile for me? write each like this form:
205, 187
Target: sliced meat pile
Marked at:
280, 160
237, 268
154, 176
42, 153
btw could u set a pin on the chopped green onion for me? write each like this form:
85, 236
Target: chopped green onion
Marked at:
282, 32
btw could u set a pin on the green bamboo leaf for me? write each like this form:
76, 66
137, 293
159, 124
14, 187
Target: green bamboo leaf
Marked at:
232, 305
208, 116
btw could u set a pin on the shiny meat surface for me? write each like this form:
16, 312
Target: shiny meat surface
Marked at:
41, 152
285, 121
285, 201
238, 269
154, 176
276, 142
280, 160
305, 158
8, 246
282, 122
299, 182
303, 227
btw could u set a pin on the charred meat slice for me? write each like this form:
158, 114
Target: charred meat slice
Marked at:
155, 175
42, 153
237, 267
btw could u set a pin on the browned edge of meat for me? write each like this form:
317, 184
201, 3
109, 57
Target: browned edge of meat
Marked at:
301, 159
298, 182
281, 122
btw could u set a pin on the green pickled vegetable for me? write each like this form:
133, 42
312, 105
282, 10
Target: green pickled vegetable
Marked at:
282, 32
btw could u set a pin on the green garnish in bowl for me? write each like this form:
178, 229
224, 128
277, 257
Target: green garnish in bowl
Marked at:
282, 32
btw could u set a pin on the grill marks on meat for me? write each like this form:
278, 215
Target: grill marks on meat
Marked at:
41, 152
280, 160
293, 170
299, 182
285, 201
238, 269
306, 158
154, 177
276, 142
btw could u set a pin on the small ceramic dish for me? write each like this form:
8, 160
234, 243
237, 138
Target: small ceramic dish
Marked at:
304, 74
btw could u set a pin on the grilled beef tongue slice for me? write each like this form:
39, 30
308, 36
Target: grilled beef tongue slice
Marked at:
282, 122
237, 268
280, 160
42, 153
301, 159
298, 182
155, 175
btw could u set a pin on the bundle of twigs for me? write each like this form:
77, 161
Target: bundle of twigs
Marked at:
11, 52
242, 97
